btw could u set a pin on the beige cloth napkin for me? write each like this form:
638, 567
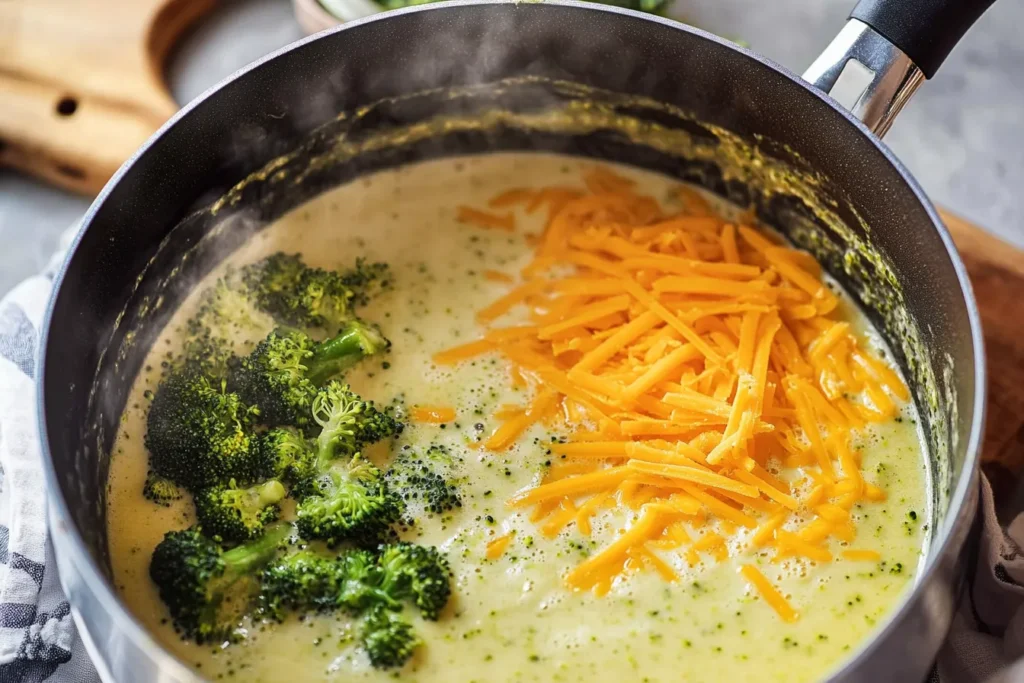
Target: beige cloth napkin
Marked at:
986, 641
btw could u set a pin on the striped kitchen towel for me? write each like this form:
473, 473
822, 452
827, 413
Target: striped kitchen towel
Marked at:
38, 639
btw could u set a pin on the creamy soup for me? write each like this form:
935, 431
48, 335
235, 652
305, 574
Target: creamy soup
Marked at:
513, 618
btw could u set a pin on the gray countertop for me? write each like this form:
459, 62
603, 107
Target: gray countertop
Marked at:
962, 135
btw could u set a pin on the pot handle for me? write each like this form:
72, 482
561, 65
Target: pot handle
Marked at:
886, 50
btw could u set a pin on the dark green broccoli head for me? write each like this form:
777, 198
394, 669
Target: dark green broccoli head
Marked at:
285, 454
235, 514
388, 638
283, 373
351, 503
273, 378
198, 434
306, 581
161, 491
377, 425
366, 279
348, 422
363, 580
425, 480
301, 582
206, 589
295, 294
225, 312
417, 573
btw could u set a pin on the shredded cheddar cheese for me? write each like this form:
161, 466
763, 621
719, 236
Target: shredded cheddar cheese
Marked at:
769, 592
432, 414
701, 371
497, 547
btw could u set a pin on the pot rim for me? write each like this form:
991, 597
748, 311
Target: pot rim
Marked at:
131, 627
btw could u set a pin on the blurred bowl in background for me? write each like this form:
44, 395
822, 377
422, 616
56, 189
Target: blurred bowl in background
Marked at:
317, 15
314, 16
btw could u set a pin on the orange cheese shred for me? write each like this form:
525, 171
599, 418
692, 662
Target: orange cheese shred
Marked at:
862, 555
484, 219
458, 354
432, 414
497, 547
769, 593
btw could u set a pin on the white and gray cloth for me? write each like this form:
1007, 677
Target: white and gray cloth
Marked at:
39, 642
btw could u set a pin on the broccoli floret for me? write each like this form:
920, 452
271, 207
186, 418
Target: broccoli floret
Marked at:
199, 435
285, 454
235, 514
366, 279
282, 375
207, 589
295, 294
361, 582
349, 499
347, 422
161, 491
425, 479
357, 580
352, 503
225, 312
301, 582
388, 638
364, 580
416, 573
306, 581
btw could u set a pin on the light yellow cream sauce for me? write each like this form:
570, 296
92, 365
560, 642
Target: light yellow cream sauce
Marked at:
513, 619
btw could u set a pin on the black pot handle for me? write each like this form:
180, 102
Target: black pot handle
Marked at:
886, 50
926, 30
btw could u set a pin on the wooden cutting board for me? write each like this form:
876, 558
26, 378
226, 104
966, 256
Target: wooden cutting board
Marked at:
81, 83
997, 274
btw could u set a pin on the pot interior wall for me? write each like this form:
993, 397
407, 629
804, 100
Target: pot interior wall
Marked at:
475, 79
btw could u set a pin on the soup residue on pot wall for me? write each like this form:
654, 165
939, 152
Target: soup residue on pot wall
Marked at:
512, 618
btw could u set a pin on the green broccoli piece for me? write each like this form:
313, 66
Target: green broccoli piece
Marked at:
359, 579
366, 279
348, 497
200, 435
306, 581
416, 573
363, 583
348, 423
206, 588
235, 514
161, 491
425, 479
352, 503
226, 312
295, 294
300, 582
388, 639
285, 454
282, 375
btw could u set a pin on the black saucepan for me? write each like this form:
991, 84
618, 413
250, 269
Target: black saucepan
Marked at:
576, 78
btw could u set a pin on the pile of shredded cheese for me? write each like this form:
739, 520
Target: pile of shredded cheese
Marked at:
703, 376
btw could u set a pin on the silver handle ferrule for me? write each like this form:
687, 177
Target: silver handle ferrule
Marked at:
869, 76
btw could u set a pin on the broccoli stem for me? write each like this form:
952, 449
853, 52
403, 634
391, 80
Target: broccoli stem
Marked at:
268, 493
246, 558
352, 343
